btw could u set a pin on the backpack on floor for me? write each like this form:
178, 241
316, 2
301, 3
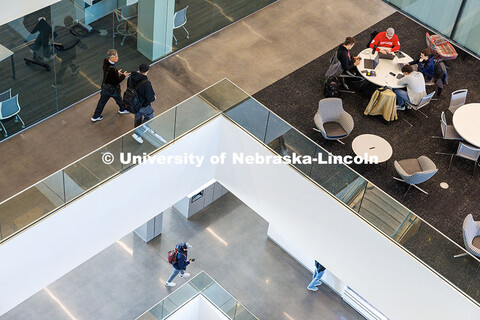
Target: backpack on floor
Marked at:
130, 97
332, 88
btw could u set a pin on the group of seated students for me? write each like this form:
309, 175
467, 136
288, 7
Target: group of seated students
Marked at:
415, 73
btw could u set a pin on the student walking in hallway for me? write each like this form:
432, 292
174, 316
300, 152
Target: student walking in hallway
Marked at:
180, 264
112, 77
139, 82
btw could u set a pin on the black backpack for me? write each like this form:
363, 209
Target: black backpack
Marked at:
332, 88
130, 97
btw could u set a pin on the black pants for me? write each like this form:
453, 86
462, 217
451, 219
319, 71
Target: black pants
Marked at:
107, 92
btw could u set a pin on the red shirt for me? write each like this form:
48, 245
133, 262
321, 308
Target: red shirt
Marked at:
381, 40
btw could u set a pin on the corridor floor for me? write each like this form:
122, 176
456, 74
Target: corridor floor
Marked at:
229, 242
253, 52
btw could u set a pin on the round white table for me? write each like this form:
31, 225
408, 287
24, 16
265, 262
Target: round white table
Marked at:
466, 121
368, 145
383, 69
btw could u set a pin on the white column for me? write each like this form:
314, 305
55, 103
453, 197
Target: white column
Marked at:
155, 27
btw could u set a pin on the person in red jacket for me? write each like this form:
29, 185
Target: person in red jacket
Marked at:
386, 41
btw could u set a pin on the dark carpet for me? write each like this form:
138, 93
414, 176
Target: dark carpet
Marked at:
295, 99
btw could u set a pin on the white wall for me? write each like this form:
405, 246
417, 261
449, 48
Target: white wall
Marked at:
376, 268
198, 308
320, 227
53, 247
11, 10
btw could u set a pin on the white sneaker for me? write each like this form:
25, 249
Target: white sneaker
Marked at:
124, 111
137, 137
170, 284
312, 289
401, 108
185, 275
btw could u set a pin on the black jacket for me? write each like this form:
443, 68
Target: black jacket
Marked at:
110, 74
145, 92
342, 55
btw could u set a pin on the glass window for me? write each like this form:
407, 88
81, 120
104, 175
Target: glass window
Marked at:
468, 27
26, 68
440, 15
52, 58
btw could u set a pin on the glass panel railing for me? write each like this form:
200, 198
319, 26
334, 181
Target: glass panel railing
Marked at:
201, 284
367, 200
191, 113
364, 198
47, 196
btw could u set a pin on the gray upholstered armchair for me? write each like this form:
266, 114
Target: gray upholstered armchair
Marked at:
471, 236
332, 121
415, 171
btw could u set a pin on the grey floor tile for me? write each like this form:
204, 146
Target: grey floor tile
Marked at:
229, 242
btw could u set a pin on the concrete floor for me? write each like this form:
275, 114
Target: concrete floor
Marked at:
229, 242
253, 52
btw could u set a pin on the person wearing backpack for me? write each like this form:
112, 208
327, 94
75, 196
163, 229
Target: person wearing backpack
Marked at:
138, 81
180, 263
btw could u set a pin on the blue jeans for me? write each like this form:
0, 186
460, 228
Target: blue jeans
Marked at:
402, 96
175, 272
316, 279
143, 115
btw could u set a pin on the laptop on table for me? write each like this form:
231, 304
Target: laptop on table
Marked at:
389, 56
371, 63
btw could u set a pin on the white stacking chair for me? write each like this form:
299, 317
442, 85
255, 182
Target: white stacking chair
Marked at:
425, 101
466, 151
448, 130
179, 20
457, 100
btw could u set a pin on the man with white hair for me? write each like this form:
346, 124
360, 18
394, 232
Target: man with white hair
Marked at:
386, 41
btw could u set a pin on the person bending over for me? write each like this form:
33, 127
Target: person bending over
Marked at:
343, 54
347, 61
386, 41
425, 64
415, 85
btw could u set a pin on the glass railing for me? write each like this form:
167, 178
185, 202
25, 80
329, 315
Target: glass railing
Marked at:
201, 284
369, 202
50, 194
386, 214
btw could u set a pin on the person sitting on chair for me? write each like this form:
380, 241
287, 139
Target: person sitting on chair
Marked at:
343, 54
415, 85
386, 41
348, 62
425, 64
